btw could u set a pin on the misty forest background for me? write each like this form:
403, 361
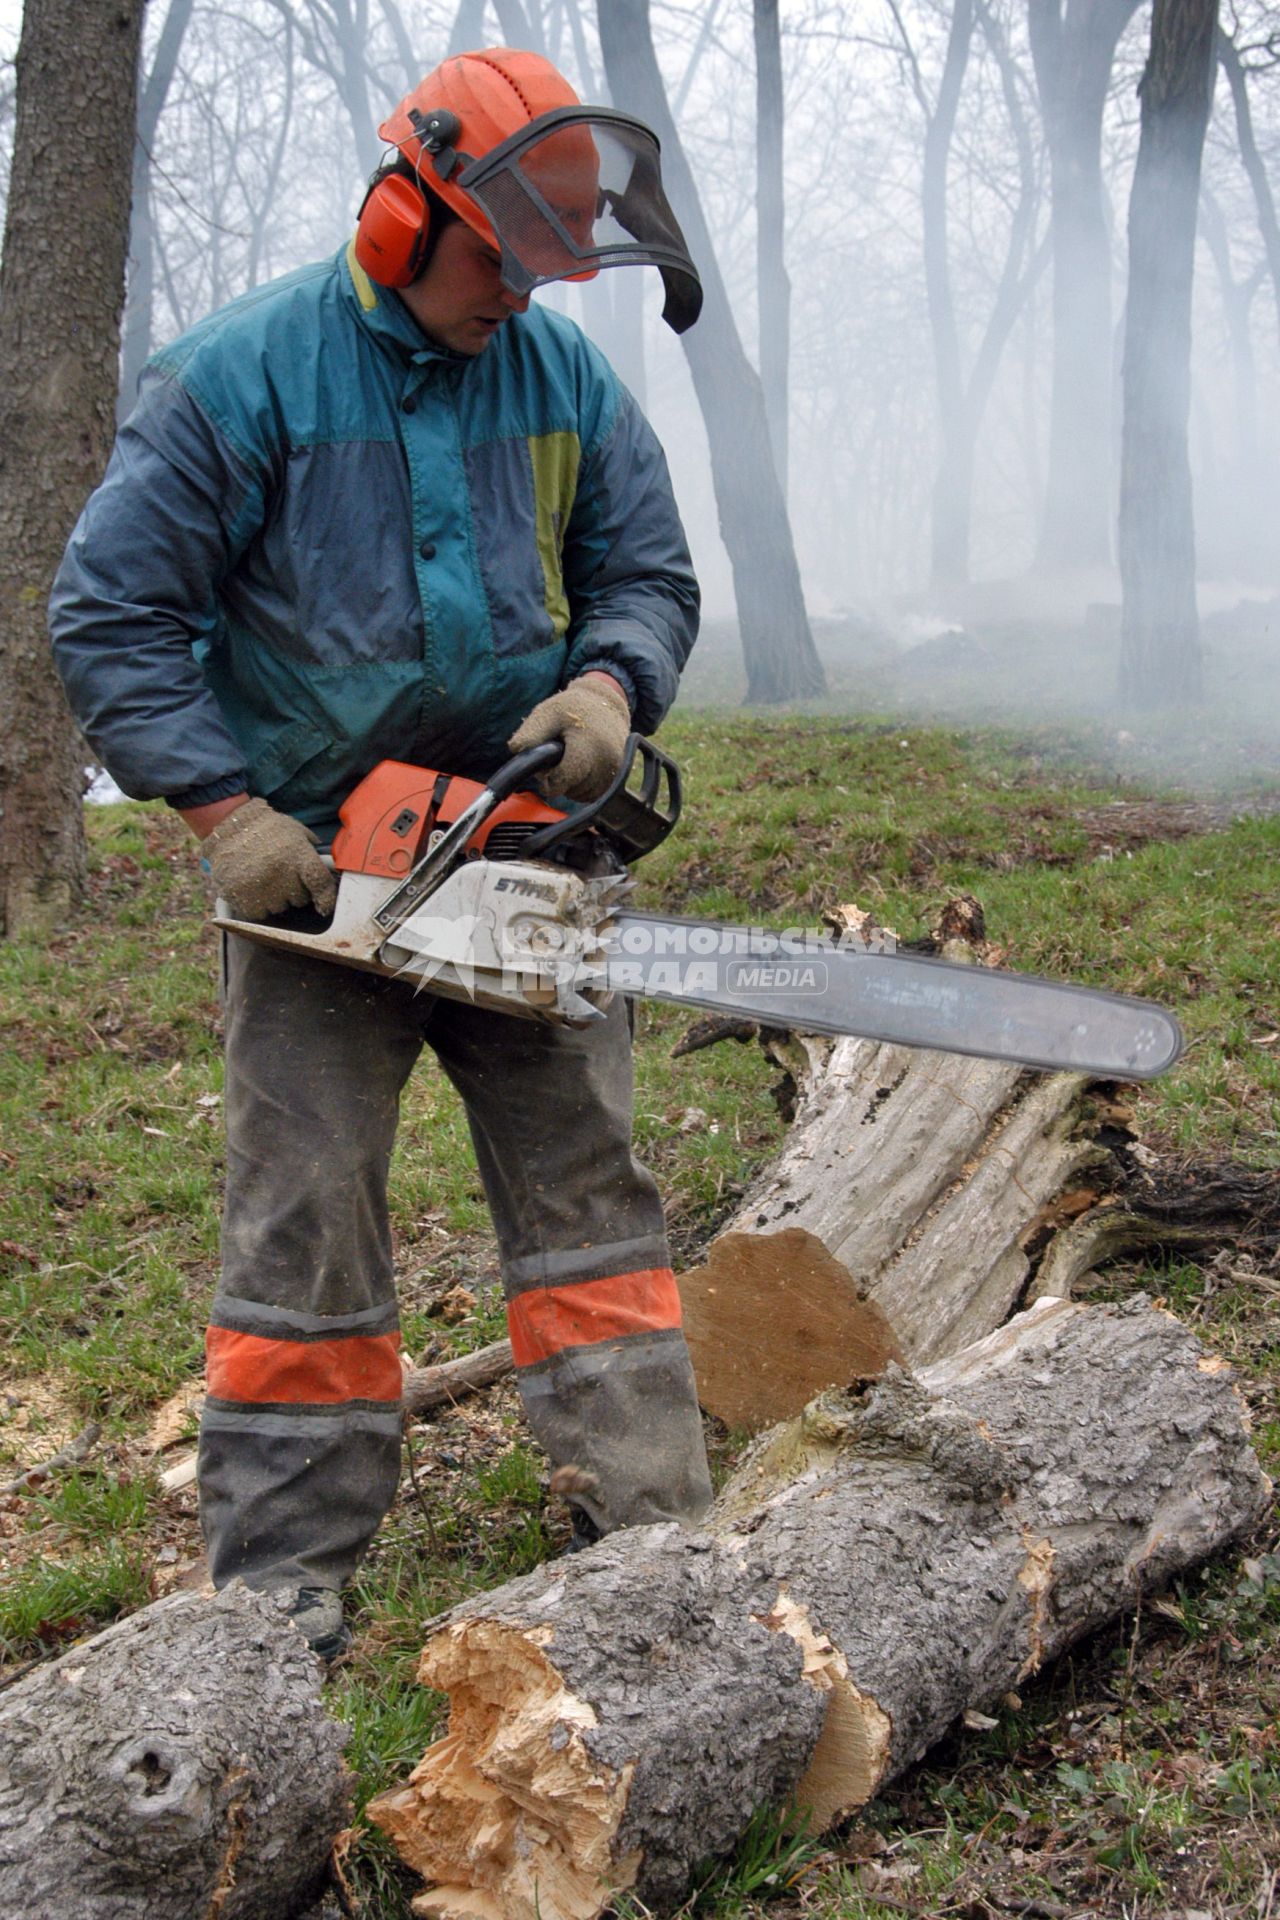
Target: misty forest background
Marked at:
920, 216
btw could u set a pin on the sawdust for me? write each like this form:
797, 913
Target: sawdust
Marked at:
174, 1420
37, 1419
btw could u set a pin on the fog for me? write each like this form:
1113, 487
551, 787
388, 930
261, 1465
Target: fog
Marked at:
923, 319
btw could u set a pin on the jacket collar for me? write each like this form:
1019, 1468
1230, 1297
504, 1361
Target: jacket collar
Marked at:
386, 316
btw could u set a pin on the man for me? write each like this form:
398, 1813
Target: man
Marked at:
385, 509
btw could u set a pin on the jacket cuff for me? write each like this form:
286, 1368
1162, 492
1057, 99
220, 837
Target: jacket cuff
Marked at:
615, 672
230, 783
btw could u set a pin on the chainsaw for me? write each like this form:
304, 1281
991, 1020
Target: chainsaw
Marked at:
485, 891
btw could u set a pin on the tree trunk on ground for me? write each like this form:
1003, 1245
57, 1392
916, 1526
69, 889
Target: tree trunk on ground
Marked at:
61, 290
781, 660
873, 1570
1160, 640
772, 284
180, 1763
1073, 45
924, 1175
901, 1217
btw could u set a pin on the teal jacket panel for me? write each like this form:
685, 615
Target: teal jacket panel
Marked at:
322, 542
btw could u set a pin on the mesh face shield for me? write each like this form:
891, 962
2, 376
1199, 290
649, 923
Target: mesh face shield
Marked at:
577, 190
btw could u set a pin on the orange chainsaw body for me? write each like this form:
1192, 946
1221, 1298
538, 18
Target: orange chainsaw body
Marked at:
388, 819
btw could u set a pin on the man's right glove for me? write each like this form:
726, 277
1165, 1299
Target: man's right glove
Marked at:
264, 862
593, 717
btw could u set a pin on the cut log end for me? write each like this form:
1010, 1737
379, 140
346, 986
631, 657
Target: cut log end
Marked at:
514, 1744
827, 1332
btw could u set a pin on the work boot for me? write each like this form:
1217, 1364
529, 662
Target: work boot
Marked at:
317, 1614
585, 1531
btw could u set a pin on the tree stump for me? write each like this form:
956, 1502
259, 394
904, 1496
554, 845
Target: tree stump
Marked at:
894, 1557
178, 1765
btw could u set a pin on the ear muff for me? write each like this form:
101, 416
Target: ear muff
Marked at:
393, 231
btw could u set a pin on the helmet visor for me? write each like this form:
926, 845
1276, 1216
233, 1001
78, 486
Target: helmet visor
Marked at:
576, 190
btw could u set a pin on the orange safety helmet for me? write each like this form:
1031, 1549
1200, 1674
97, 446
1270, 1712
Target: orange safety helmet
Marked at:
558, 189
466, 106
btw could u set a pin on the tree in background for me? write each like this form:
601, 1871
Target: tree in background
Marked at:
1160, 644
141, 274
781, 660
1237, 77
61, 291
1073, 45
772, 283
963, 393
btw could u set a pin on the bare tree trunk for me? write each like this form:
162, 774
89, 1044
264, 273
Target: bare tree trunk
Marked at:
781, 659
334, 37
1160, 643
962, 398
141, 275
1252, 161
953, 485
61, 290
1073, 44
773, 285
468, 26
1249, 528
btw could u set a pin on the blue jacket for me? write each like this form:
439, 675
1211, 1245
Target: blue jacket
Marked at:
322, 542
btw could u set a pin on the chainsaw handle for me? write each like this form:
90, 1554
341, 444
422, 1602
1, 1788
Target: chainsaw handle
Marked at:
517, 772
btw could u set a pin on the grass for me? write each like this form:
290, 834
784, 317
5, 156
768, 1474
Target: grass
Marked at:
1142, 1775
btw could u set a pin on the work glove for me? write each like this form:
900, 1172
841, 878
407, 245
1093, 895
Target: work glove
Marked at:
263, 862
593, 718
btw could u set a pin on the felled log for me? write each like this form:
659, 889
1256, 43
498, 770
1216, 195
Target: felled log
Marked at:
178, 1765
895, 1557
922, 1175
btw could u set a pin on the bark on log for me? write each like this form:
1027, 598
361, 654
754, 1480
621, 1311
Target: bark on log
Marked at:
894, 1557
178, 1765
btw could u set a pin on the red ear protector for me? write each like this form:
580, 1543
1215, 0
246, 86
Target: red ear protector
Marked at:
393, 234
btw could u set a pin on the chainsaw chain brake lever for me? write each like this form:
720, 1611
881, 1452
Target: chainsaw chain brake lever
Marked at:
452, 844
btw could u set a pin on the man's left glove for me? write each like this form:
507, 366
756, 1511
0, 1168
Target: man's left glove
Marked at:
593, 718
263, 862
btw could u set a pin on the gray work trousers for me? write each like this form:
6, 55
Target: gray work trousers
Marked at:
300, 1437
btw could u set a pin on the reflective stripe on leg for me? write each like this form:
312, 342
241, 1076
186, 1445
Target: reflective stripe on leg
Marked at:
245, 1367
544, 1321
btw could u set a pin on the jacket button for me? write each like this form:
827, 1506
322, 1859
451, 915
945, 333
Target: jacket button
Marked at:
409, 405
428, 549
